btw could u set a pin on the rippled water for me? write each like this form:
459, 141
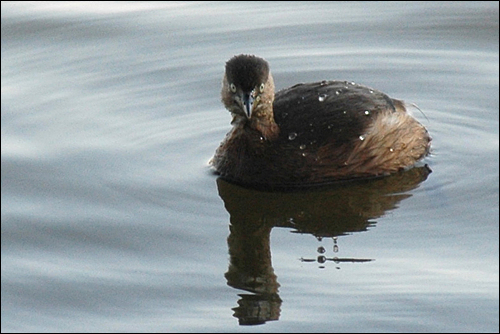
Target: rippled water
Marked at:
112, 221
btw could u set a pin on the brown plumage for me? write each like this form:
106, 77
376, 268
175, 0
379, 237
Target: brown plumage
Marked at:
311, 133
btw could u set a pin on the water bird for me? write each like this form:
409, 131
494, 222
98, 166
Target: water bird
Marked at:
311, 133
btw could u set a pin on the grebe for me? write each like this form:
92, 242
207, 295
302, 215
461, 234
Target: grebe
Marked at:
311, 133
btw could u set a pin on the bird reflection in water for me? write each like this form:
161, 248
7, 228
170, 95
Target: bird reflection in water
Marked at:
326, 212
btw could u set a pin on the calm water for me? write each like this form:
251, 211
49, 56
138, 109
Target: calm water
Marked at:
112, 221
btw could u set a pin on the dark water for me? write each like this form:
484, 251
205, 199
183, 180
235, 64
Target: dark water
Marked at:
112, 221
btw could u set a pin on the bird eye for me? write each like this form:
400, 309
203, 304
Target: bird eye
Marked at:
233, 88
261, 88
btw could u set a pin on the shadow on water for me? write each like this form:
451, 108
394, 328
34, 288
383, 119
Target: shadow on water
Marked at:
326, 212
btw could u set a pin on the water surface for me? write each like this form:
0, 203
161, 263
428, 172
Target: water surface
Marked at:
112, 220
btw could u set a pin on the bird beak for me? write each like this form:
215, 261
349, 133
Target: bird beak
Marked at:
248, 103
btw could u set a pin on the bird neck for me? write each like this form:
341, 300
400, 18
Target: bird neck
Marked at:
262, 120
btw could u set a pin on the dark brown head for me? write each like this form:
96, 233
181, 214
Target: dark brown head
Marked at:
248, 87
